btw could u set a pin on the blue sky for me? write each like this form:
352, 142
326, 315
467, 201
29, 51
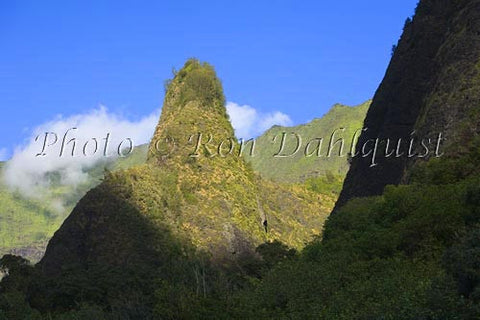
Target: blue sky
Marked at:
296, 57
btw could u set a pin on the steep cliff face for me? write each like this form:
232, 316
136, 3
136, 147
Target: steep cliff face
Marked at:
195, 193
431, 87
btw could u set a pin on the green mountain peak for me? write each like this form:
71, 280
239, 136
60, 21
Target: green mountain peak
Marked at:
183, 199
194, 104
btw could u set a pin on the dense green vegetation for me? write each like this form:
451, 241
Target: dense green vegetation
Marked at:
411, 253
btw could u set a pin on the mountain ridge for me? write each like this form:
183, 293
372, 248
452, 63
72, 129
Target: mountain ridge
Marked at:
314, 179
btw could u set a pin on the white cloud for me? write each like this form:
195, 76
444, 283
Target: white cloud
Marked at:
249, 123
29, 173
242, 118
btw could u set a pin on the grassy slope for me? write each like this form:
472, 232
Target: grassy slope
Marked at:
299, 167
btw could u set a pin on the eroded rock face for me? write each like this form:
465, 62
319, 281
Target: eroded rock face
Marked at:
432, 87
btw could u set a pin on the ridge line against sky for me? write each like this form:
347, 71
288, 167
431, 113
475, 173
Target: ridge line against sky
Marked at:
295, 58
